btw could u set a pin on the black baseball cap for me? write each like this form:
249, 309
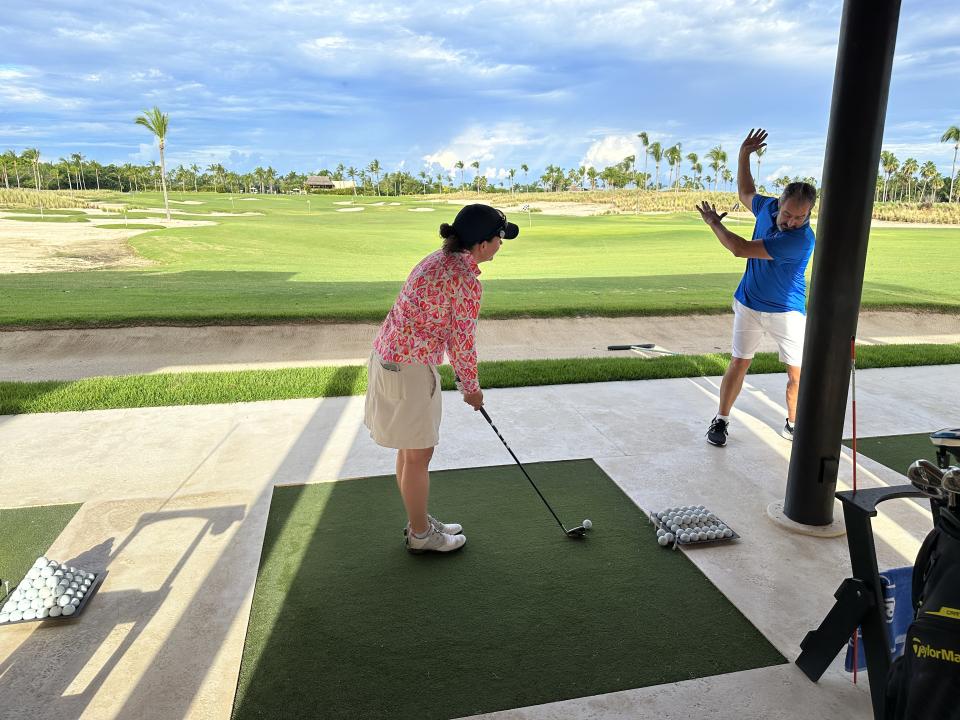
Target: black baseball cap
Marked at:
478, 223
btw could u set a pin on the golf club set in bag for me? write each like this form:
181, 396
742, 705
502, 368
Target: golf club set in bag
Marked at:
574, 532
924, 682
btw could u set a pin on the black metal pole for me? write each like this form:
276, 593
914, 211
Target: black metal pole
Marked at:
868, 33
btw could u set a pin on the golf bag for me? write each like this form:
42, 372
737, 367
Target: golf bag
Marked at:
923, 683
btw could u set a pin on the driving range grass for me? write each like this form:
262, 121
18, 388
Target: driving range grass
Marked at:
298, 262
345, 624
204, 388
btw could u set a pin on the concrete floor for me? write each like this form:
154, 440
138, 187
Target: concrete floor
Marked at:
176, 501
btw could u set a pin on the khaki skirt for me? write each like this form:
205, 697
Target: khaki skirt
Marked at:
403, 404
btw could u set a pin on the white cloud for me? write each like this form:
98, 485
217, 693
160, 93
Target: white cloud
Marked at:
610, 150
481, 143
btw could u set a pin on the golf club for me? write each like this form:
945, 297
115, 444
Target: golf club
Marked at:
644, 346
576, 532
927, 478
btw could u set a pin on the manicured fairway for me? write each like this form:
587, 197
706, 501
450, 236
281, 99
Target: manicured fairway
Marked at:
295, 263
346, 624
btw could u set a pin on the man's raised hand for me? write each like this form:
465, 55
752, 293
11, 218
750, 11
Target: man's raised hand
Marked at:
756, 139
709, 214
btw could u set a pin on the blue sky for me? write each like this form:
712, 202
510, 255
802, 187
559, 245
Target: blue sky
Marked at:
300, 84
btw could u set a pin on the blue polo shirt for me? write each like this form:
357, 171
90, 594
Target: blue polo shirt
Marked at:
776, 285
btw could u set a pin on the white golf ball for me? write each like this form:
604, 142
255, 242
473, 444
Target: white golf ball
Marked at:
36, 604
29, 614
669, 537
40, 562
34, 572
74, 601
55, 611
661, 532
684, 537
46, 572
63, 600
69, 610
8, 607
38, 583
711, 535
674, 527
728, 533
43, 612
49, 602
4, 617
58, 573
16, 616
662, 540
23, 604
58, 591
53, 564
587, 524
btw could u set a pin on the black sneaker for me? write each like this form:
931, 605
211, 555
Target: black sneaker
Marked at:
787, 431
717, 433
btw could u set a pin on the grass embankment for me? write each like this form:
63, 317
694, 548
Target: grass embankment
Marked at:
203, 388
308, 262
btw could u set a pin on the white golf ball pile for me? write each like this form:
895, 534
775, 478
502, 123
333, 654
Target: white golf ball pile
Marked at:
689, 524
49, 589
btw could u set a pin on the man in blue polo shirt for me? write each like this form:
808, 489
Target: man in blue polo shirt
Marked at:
772, 296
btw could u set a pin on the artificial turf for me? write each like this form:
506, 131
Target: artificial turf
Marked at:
346, 624
27, 533
896, 451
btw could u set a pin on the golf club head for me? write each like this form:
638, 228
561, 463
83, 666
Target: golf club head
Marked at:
576, 532
951, 480
927, 478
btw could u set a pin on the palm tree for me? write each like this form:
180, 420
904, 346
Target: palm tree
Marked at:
727, 175
697, 173
525, 169
890, 164
78, 159
656, 152
674, 157
928, 172
645, 141
760, 151
909, 167
717, 156
952, 135
352, 174
195, 169
459, 166
158, 123
476, 166
375, 168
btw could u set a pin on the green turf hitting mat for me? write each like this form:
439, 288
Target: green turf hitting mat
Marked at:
346, 624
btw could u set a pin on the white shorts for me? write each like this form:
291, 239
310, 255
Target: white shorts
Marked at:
403, 404
786, 328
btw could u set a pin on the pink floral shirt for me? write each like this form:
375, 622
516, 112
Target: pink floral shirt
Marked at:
436, 310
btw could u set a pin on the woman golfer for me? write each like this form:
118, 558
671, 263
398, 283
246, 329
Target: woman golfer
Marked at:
436, 312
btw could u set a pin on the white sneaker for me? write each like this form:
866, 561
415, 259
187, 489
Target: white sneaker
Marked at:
435, 541
448, 528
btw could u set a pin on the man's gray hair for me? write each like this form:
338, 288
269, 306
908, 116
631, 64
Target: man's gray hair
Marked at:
801, 191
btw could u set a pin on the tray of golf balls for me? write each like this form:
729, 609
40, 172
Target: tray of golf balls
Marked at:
49, 591
690, 525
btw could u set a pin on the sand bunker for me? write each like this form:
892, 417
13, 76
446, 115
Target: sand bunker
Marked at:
563, 208
394, 203
376, 204
352, 209
186, 212
422, 209
188, 202
28, 247
343, 202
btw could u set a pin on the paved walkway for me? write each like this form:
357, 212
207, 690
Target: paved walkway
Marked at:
73, 354
176, 499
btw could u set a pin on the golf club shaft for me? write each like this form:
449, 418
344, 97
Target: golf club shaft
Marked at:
526, 475
853, 394
647, 346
